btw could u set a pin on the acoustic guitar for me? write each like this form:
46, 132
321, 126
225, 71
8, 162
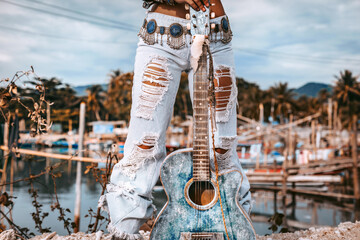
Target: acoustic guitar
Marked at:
201, 205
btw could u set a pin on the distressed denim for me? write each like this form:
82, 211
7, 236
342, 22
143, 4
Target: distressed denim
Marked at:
128, 197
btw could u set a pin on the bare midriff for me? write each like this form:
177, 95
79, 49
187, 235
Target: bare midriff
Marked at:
179, 10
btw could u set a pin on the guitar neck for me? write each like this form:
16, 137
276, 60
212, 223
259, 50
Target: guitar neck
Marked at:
201, 160
200, 25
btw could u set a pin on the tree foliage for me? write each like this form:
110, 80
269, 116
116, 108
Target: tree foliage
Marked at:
114, 103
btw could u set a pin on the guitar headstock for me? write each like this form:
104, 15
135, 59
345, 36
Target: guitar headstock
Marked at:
199, 21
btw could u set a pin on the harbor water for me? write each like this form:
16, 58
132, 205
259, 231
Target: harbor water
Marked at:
304, 212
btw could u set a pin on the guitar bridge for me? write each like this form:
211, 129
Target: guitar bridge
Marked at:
201, 236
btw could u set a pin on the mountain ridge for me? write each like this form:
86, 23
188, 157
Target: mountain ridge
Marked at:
311, 89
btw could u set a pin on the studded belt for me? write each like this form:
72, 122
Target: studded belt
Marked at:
151, 33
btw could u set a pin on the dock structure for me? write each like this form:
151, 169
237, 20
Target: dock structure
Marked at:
54, 155
309, 176
339, 175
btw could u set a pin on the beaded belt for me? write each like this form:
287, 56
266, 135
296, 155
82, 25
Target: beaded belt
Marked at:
151, 33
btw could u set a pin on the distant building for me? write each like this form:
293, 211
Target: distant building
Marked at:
108, 129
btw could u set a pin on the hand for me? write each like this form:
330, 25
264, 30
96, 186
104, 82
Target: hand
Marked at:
195, 4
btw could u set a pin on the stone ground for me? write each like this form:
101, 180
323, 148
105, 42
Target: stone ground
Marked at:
346, 230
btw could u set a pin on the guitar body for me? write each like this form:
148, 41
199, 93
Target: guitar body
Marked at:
178, 216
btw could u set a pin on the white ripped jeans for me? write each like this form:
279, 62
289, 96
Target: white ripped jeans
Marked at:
158, 67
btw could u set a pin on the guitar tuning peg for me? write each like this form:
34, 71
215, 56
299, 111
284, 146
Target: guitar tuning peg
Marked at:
212, 26
212, 4
212, 15
188, 26
187, 7
187, 16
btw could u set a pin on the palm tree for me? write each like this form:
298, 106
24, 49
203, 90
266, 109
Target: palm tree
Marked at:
347, 95
95, 101
118, 101
323, 96
305, 105
323, 105
283, 99
250, 96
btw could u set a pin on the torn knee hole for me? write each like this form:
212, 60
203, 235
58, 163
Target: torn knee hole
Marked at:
145, 146
154, 75
144, 150
154, 85
148, 141
225, 92
221, 150
223, 87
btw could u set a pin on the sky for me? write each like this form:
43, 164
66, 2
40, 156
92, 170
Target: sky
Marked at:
274, 40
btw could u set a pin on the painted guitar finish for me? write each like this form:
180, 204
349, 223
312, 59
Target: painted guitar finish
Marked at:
178, 216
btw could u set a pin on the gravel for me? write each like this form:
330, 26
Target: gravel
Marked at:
346, 230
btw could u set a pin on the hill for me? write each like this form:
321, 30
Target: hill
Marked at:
312, 89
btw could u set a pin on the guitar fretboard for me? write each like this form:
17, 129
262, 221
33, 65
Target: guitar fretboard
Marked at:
201, 162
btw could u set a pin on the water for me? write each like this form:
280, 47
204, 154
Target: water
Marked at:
301, 212
65, 189
307, 212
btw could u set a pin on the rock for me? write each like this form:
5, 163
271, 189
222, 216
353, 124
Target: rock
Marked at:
99, 235
348, 231
8, 235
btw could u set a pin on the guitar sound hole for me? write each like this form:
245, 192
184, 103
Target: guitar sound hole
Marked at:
201, 193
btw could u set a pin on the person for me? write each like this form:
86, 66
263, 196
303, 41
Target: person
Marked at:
163, 53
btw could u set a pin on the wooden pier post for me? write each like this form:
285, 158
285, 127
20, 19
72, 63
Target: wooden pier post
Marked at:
266, 149
6, 152
48, 115
78, 169
355, 160
70, 148
330, 104
261, 117
275, 198
47, 164
335, 124
291, 146
313, 138
284, 185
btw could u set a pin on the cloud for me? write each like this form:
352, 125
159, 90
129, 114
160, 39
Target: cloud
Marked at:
5, 58
314, 37
76, 62
274, 40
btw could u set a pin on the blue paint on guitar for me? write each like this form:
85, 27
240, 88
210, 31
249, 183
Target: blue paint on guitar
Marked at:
178, 216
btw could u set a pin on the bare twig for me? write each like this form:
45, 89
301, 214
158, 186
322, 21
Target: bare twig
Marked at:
35, 113
62, 216
103, 179
13, 225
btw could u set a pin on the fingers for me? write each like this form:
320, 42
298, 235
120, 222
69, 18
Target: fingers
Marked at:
198, 4
206, 3
193, 5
